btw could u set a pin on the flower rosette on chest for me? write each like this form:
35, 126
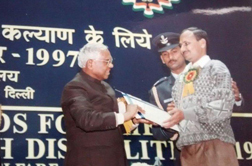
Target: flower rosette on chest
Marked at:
191, 75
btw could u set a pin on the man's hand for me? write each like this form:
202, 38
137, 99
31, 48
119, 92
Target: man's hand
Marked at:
176, 116
236, 91
174, 137
170, 106
137, 121
131, 111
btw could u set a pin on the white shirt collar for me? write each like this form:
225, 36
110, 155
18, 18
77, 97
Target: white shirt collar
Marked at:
201, 62
174, 75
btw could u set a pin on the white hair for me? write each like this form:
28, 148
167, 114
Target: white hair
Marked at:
90, 51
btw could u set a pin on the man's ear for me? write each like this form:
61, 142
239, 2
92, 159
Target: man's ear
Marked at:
89, 63
161, 57
202, 43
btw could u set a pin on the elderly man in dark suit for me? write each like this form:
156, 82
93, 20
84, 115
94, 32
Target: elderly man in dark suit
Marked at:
92, 120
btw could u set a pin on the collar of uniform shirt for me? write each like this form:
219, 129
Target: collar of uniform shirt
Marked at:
174, 75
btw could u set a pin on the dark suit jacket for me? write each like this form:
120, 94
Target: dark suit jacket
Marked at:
92, 136
164, 89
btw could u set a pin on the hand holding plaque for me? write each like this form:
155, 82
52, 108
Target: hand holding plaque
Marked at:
152, 112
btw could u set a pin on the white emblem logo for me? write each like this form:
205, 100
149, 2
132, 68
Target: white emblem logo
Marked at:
164, 40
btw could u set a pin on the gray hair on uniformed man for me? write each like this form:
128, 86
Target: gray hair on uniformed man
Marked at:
90, 51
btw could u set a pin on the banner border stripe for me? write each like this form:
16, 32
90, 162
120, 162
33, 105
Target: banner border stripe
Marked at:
58, 109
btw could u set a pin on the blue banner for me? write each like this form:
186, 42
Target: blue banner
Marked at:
39, 44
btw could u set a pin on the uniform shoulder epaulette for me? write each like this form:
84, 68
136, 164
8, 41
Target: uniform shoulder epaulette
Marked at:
160, 81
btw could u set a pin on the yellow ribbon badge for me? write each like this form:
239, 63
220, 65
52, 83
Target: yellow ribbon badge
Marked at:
189, 77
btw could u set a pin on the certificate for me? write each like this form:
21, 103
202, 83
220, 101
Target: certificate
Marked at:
152, 112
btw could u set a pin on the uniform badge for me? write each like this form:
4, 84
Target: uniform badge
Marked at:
164, 40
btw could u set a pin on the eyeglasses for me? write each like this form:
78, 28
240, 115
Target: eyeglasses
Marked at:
107, 61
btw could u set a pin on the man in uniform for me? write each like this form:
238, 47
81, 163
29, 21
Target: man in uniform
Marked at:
167, 45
